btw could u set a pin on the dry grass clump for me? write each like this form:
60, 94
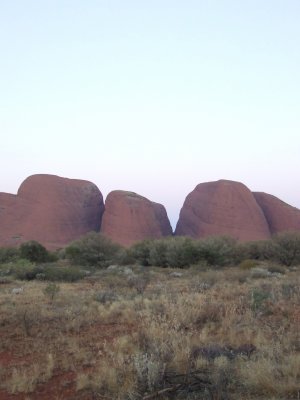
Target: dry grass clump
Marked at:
206, 334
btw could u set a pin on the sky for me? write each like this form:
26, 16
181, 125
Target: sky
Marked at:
152, 96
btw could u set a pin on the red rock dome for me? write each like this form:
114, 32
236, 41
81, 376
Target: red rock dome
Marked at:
51, 210
129, 217
280, 216
222, 208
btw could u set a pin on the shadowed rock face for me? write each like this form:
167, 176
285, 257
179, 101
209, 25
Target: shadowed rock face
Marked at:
279, 215
222, 208
51, 210
129, 217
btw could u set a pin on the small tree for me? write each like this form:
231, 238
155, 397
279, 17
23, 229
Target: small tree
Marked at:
34, 251
157, 253
140, 252
255, 250
93, 249
181, 252
217, 250
8, 254
286, 248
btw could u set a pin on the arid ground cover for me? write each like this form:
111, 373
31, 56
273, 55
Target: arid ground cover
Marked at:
134, 332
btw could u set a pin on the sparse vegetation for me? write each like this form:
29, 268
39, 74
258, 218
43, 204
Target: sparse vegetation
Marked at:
93, 250
51, 290
35, 252
222, 331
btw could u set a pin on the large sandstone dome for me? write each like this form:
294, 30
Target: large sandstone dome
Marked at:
129, 217
51, 210
280, 216
222, 208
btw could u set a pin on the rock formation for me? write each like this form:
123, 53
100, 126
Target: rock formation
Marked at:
279, 215
51, 210
222, 208
129, 217
55, 211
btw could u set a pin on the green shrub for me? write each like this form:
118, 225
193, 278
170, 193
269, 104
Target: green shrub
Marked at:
258, 299
8, 254
182, 252
286, 248
256, 250
174, 252
140, 252
93, 249
158, 252
34, 252
57, 273
23, 270
217, 251
51, 290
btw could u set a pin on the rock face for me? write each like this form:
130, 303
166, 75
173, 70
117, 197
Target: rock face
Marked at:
222, 208
129, 217
51, 210
279, 215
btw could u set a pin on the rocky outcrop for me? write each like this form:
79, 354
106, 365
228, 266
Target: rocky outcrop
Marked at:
55, 211
222, 208
280, 216
129, 217
51, 210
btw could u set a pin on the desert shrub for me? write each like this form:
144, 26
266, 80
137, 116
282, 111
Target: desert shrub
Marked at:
51, 290
5, 269
248, 264
23, 270
54, 272
140, 252
34, 252
256, 250
8, 254
286, 248
157, 253
182, 252
104, 297
288, 290
259, 273
124, 257
174, 252
93, 249
218, 251
259, 298
139, 282
276, 269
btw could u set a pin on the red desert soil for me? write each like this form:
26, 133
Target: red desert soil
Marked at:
62, 384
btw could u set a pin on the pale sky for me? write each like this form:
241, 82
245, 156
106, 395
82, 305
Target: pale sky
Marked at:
152, 96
